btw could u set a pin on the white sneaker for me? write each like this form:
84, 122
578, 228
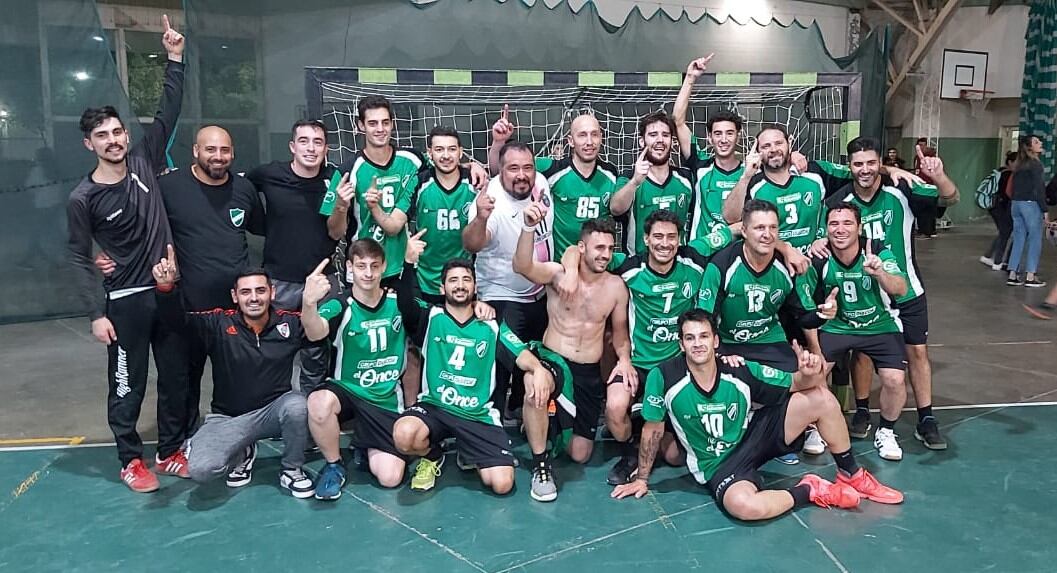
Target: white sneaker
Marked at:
887, 446
996, 267
814, 444
987, 261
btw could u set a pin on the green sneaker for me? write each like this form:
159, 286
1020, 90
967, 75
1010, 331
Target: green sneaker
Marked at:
426, 474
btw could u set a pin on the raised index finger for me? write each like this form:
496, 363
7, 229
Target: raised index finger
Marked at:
506, 112
165, 22
642, 156
869, 247
920, 153
169, 252
319, 268
419, 234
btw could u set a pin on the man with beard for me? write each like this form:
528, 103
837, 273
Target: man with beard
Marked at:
119, 207
571, 349
493, 232
582, 185
458, 384
717, 175
252, 350
869, 279
710, 403
887, 217
653, 184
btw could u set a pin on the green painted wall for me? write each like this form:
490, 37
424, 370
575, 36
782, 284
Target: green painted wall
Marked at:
967, 161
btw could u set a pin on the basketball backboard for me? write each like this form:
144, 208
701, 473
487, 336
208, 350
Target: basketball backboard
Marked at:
962, 70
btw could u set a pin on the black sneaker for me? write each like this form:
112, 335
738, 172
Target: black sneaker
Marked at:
860, 424
928, 431
1034, 283
624, 471
1014, 280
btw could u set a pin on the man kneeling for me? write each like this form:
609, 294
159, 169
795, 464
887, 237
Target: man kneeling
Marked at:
709, 404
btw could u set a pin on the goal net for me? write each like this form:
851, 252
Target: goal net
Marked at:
819, 110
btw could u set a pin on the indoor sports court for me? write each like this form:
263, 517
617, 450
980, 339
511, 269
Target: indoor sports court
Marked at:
968, 77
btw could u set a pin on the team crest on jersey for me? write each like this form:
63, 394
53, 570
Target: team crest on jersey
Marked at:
481, 348
867, 282
398, 322
284, 330
237, 216
688, 290
808, 199
732, 411
466, 209
888, 217
776, 296
605, 198
681, 200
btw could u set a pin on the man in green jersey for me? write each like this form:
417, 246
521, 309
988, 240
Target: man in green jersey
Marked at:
572, 348
441, 205
662, 283
459, 360
887, 217
367, 332
653, 184
868, 278
582, 185
710, 403
748, 283
714, 176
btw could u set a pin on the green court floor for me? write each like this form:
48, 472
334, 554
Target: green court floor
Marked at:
988, 503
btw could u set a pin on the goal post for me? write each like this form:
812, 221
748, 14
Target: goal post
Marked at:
822, 111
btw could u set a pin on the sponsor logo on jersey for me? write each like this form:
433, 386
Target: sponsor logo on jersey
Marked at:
664, 334
370, 377
790, 198
231, 330
452, 339
283, 329
890, 267
768, 371
114, 215
715, 240
481, 348
450, 396
706, 294
654, 400
732, 411
703, 409
664, 287
377, 363
726, 185
238, 216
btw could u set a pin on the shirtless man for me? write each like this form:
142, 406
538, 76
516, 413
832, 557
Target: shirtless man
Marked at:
571, 348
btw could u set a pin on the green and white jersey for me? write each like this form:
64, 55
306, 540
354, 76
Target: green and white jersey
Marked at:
576, 198
370, 345
710, 424
887, 218
445, 212
396, 182
458, 364
799, 201
712, 186
746, 302
863, 307
674, 194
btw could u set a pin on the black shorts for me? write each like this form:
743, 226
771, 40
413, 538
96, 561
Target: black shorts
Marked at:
480, 444
885, 350
914, 318
578, 392
763, 441
792, 328
777, 355
372, 427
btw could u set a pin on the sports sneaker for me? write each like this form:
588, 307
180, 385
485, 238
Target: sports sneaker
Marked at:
1042, 311
887, 446
298, 482
860, 424
788, 459
330, 480
360, 461
426, 474
242, 473
624, 471
928, 431
987, 261
1034, 283
998, 267
138, 478
1014, 280
543, 486
827, 494
814, 445
174, 465
869, 488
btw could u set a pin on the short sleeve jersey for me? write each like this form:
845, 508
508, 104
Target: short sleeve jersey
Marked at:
863, 307
396, 181
445, 213
712, 185
887, 217
369, 344
576, 198
709, 425
458, 364
799, 200
674, 194
746, 302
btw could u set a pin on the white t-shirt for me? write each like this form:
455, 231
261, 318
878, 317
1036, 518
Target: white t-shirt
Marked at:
496, 279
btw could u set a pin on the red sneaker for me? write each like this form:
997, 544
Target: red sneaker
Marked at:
138, 478
827, 494
868, 487
174, 465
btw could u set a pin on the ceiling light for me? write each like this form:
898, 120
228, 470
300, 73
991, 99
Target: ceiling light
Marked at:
81, 76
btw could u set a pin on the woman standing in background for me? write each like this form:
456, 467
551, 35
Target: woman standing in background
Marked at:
1029, 212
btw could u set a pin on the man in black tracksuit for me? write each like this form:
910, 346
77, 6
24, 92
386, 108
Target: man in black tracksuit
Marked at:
252, 350
119, 206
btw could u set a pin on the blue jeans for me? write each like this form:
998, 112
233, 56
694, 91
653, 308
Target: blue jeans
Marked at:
1027, 228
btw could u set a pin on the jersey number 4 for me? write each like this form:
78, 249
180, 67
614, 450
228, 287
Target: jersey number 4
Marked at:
458, 358
587, 207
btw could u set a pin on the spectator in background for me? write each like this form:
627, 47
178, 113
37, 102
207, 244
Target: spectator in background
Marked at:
892, 159
1029, 199
1001, 214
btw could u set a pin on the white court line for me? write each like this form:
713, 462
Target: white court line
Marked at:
1014, 343
825, 549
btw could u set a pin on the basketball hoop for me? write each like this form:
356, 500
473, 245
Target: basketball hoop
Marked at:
978, 100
